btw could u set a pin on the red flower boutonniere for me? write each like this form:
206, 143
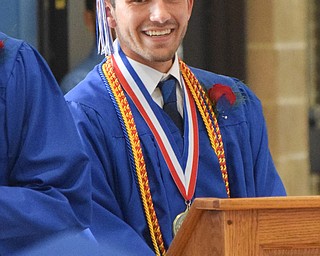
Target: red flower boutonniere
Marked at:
223, 98
1, 45
220, 92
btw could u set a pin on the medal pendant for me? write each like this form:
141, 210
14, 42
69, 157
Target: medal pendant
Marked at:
179, 220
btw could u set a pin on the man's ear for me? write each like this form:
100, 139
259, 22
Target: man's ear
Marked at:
110, 17
190, 7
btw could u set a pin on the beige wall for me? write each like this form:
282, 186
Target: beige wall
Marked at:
277, 71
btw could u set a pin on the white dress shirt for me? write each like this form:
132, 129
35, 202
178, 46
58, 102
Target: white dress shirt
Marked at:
151, 77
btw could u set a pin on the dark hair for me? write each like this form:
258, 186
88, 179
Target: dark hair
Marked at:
91, 5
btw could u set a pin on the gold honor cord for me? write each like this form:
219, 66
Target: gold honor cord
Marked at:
207, 113
141, 172
205, 108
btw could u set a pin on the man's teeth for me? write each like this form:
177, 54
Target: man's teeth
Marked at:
158, 32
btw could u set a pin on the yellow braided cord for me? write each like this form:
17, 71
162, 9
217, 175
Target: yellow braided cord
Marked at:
151, 218
205, 108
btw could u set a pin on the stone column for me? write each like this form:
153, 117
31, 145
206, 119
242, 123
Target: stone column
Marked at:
277, 72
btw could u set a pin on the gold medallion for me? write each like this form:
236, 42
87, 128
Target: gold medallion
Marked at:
177, 223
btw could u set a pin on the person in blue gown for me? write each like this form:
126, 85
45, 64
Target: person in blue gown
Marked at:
44, 170
145, 171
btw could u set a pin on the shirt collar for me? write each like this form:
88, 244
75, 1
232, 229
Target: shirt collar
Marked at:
151, 77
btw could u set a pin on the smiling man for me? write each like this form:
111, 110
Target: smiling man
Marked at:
160, 133
153, 36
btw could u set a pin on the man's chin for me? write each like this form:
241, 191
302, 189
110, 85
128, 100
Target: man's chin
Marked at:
162, 57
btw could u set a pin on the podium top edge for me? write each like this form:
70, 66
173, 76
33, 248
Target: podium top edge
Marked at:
257, 203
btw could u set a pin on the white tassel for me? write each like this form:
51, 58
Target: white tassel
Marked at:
104, 35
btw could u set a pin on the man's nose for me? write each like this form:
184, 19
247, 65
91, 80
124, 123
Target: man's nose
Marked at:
159, 11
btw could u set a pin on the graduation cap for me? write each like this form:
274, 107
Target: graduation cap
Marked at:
104, 35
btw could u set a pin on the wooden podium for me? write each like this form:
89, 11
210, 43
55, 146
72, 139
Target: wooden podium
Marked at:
271, 226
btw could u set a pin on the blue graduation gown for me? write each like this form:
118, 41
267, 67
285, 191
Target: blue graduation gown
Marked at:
118, 218
44, 170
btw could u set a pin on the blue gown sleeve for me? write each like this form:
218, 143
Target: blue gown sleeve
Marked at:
256, 175
115, 236
252, 172
44, 170
267, 179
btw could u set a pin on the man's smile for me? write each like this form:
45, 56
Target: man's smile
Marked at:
158, 32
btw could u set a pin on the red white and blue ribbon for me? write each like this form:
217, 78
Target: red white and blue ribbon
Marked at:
185, 178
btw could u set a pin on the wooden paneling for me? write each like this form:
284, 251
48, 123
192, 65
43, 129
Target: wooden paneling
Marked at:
275, 226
